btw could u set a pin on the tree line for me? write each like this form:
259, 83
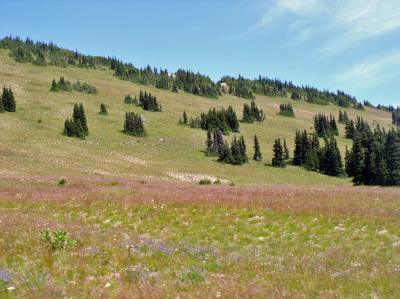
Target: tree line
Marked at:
41, 53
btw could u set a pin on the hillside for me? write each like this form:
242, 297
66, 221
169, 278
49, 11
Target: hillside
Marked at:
170, 152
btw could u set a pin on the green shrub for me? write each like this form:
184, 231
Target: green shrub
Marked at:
62, 182
205, 182
58, 239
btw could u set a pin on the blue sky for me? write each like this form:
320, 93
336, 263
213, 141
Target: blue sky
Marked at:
352, 45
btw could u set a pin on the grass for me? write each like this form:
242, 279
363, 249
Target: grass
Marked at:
166, 240
31, 148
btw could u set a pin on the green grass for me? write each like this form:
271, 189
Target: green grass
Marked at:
31, 147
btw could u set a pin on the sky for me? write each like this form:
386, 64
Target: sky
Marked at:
351, 45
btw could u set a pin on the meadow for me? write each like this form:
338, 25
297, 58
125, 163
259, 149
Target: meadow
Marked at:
138, 239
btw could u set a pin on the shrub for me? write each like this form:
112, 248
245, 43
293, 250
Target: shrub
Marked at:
58, 239
204, 182
62, 182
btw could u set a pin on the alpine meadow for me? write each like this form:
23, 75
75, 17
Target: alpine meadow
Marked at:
120, 181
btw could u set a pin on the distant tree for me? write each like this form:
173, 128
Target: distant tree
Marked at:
79, 114
252, 113
128, 99
185, 119
103, 109
257, 152
1, 105
278, 159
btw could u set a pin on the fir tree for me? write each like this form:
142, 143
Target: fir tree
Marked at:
211, 150
286, 150
8, 100
278, 160
257, 152
103, 109
330, 158
185, 119
392, 152
1, 105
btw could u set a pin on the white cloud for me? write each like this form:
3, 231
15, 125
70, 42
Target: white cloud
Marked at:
371, 72
337, 25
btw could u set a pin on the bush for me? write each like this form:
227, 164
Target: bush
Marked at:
62, 182
58, 239
204, 182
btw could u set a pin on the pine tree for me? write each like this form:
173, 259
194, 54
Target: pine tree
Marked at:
79, 114
209, 143
278, 160
1, 105
392, 152
185, 119
242, 145
54, 86
286, 150
330, 158
356, 161
8, 100
128, 99
103, 109
257, 152
298, 155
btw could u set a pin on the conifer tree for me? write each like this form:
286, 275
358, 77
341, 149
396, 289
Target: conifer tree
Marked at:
286, 150
1, 105
392, 152
185, 119
330, 158
209, 143
8, 100
242, 144
278, 160
257, 152
103, 109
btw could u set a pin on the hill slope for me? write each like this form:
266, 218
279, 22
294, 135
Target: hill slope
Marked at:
171, 152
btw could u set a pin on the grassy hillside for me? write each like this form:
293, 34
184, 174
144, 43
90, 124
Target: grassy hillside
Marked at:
30, 148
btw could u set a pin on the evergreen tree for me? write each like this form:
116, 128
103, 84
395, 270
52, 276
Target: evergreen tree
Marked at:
330, 158
103, 109
278, 160
286, 150
8, 100
211, 150
79, 114
185, 119
54, 86
298, 154
1, 105
311, 160
257, 152
128, 99
242, 144
392, 152
286, 110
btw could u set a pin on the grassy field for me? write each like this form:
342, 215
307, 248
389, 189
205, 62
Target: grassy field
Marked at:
140, 226
147, 239
32, 148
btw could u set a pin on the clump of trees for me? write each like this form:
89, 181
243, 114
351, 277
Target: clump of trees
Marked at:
343, 117
149, 102
7, 100
359, 126
374, 158
77, 125
65, 85
133, 125
223, 119
252, 113
309, 154
325, 126
234, 154
286, 110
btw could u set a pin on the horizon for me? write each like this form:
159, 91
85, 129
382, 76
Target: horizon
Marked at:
359, 56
